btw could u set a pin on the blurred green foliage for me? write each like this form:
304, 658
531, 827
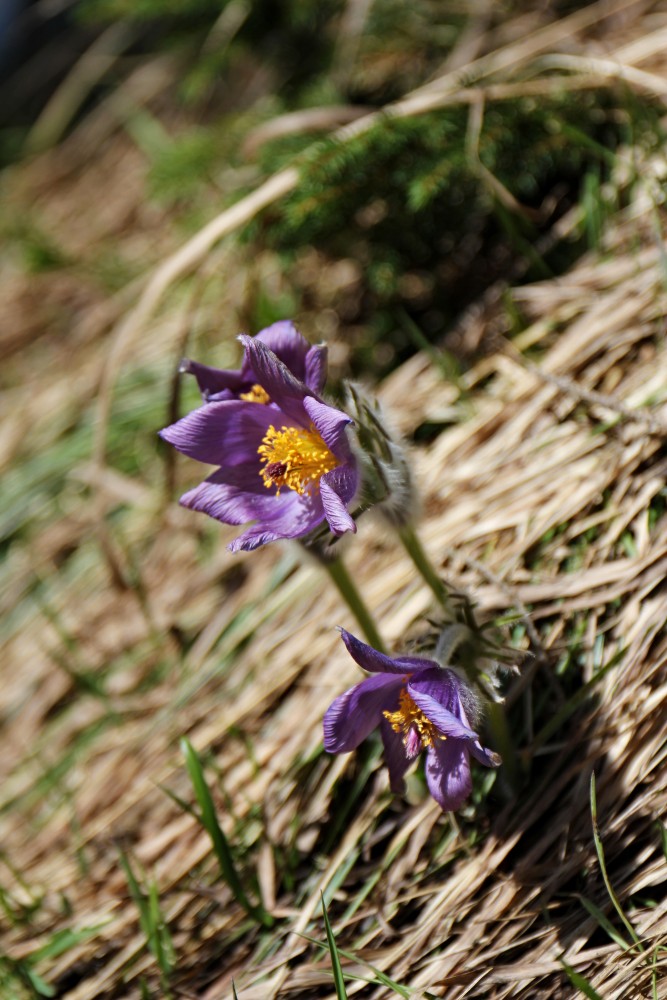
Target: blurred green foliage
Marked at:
432, 209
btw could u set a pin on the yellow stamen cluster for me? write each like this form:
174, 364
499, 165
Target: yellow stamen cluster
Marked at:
257, 394
294, 457
409, 716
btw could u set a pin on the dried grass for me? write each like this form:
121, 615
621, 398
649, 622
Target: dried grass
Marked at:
545, 494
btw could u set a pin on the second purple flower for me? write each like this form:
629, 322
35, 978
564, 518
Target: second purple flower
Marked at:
417, 705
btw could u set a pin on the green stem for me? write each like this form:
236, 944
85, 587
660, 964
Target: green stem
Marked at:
497, 720
416, 552
348, 591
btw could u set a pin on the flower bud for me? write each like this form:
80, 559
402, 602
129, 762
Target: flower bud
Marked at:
387, 481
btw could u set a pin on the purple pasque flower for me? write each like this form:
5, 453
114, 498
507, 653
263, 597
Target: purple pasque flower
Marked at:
306, 362
283, 456
418, 705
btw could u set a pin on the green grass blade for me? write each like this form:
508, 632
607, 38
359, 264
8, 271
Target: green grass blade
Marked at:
380, 976
137, 894
605, 923
381, 979
152, 923
62, 941
339, 982
235, 995
209, 821
181, 803
603, 868
38, 984
580, 982
654, 970
163, 948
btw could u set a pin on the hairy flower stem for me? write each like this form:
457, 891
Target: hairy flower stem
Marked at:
416, 552
348, 591
497, 719
453, 637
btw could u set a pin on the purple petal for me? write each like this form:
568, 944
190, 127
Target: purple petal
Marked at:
283, 387
395, 757
288, 345
335, 511
343, 480
487, 757
213, 380
237, 494
212, 499
306, 363
297, 518
448, 773
297, 515
368, 658
252, 538
331, 425
443, 685
431, 691
375, 662
354, 714
315, 374
227, 433
223, 396
300, 516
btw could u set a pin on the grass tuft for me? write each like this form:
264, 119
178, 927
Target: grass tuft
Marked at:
599, 850
337, 969
152, 922
209, 820
581, 983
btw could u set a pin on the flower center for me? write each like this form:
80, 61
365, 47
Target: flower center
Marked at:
294, 457
257, 394
418, 731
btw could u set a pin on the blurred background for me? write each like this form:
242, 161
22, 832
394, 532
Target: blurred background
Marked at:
389, 236
464, 199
